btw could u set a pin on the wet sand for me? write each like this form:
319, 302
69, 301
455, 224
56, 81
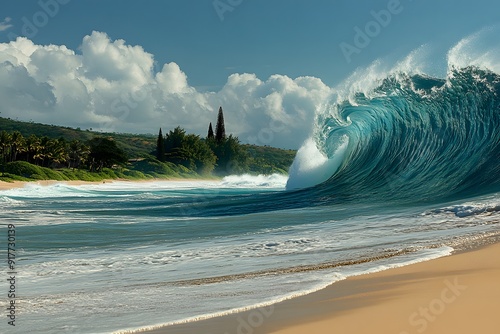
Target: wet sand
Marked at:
454, 294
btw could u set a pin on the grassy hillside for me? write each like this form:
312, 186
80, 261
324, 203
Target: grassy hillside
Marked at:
269, 160
133, 145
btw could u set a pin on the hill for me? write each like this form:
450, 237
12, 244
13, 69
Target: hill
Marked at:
140, 148
133, 145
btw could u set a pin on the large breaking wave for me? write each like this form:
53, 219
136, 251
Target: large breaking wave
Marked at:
410, 136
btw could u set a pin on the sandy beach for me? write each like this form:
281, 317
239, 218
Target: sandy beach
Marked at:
19, 184
454, 294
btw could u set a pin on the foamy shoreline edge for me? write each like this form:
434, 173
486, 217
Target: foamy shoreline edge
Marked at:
219, 322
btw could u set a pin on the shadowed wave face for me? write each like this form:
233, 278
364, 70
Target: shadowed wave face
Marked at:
413, 138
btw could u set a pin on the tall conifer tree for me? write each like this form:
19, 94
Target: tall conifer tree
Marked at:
160, 147
220, 130
210, 132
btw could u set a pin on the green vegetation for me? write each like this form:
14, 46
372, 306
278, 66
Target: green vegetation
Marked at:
31, 151
220, 129
134, 145
189, 151
24, 171
160, 147
220, 154
210, 134
104, 153
268, 160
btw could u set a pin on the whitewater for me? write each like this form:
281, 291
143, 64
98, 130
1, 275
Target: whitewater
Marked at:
402, 166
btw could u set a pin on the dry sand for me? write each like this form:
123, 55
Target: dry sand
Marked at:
455, 294
19, 184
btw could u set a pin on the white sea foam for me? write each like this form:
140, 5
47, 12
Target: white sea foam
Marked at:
5, 200
277, 181
115, 189
323, 279
485, 208
34, 190
312, 167
128, 189
480, 49
420, 256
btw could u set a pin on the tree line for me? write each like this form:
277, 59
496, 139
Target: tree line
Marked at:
216, 153
94, 154
175, 153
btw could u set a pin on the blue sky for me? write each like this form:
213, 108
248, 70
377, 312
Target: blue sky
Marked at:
290, 38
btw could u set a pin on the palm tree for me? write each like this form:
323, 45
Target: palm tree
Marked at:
44, 152
18, 145
33, 147
5, 144
78, 153
60, 151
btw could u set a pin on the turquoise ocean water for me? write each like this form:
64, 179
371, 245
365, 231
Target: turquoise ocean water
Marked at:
402, 172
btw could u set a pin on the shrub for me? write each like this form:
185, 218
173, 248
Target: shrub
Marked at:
24, 169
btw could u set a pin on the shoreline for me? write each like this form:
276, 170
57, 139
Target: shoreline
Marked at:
20, 184
427, 296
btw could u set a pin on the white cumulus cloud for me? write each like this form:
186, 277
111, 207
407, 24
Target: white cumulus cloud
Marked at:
111, 86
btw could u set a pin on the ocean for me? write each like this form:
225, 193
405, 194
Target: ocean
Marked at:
403, 171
